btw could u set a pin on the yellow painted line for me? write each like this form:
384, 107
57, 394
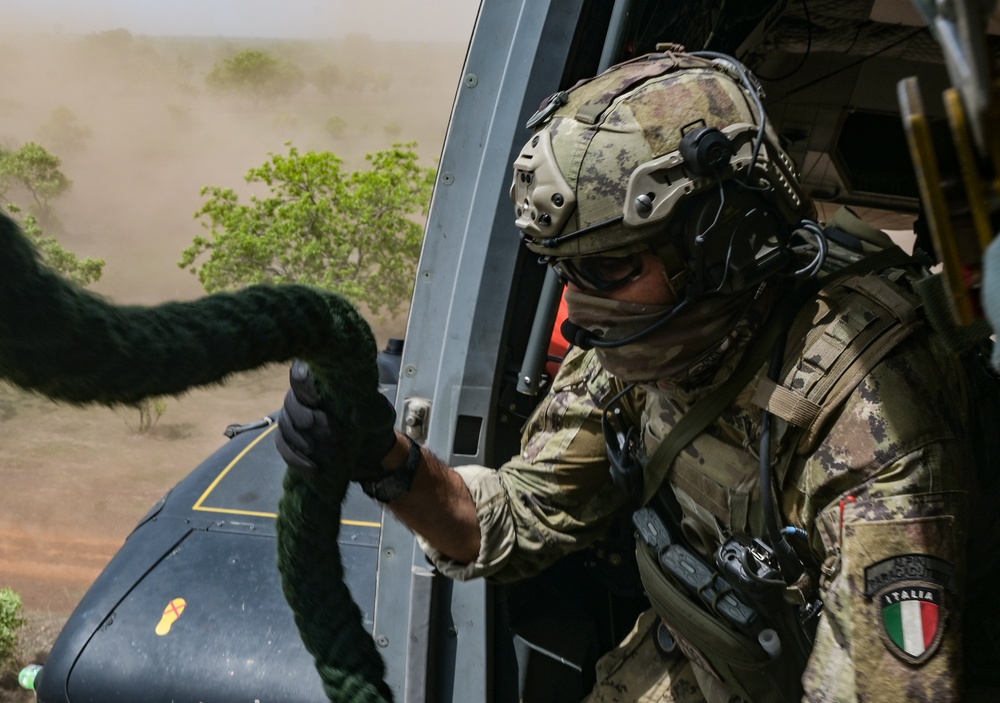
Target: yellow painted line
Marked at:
222, 474
199, 503
230, 511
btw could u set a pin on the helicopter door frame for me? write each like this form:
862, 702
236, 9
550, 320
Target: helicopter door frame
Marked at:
452, 357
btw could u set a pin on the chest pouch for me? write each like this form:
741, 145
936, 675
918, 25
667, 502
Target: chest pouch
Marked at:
728, 617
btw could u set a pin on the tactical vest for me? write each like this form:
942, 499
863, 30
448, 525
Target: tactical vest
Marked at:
836, 338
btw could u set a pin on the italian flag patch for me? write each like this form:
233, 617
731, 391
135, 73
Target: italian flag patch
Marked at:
911, 618
909, 590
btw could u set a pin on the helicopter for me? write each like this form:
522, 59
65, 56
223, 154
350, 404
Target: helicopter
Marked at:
191, 608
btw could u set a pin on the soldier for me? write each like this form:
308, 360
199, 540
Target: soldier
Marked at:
797, 440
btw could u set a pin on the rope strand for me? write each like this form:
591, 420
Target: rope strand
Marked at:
72, 345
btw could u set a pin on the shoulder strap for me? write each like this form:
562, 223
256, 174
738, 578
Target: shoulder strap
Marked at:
706, 410
868, 320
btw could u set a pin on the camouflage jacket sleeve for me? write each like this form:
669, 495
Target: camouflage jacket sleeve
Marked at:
885, 497
556, 496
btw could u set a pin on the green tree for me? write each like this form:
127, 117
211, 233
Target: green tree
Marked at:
393, 129
381, 82
335, 126
36, 171
355, 233
326, 78
113, 41
257, 75
11, 622
81, 271
64, 131
125, 63
33, 170
150, 410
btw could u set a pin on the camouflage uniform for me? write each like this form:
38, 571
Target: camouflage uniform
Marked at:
890, 478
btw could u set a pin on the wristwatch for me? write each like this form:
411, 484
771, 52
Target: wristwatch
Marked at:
395, 485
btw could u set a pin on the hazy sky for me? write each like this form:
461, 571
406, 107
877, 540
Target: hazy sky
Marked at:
435, 20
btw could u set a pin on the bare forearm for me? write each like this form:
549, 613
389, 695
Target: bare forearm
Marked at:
438, 507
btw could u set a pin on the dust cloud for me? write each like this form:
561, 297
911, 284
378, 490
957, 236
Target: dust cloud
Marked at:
147, 137
157, 136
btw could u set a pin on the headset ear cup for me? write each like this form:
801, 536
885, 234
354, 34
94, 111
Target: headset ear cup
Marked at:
706, 150
731, 247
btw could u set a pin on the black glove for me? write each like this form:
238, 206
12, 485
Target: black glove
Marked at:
315, 436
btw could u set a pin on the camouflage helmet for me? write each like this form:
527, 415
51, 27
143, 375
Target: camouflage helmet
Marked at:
604, 170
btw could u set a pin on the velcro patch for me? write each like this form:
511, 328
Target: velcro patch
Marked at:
909, 567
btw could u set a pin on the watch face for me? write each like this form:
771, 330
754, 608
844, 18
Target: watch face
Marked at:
390, 488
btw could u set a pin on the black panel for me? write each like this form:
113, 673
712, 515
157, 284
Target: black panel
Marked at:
467, 430
873, 155
233, 640
210, 541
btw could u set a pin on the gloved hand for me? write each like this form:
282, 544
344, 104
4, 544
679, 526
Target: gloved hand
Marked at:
314, 436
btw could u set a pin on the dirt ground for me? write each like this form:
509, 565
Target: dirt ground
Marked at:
76, 480
79, 479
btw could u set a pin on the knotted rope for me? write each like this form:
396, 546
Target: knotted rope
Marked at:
72, 345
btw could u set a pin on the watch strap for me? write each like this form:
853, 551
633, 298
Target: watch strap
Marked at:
396, 484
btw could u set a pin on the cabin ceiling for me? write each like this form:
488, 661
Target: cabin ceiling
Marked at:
830, 69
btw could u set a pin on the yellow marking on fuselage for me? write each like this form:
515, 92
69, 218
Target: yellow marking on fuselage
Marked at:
199, 503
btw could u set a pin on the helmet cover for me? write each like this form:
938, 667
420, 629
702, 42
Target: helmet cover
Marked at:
609, 157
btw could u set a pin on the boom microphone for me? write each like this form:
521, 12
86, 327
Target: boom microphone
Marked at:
576, 335
585, 339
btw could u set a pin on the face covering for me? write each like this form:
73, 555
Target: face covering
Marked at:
683, 351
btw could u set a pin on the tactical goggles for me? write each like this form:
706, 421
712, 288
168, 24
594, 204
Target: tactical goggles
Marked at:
599, 274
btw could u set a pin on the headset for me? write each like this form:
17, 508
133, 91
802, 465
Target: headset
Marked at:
734, 239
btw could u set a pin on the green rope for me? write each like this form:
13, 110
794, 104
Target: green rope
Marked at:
313, 582
72, 345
